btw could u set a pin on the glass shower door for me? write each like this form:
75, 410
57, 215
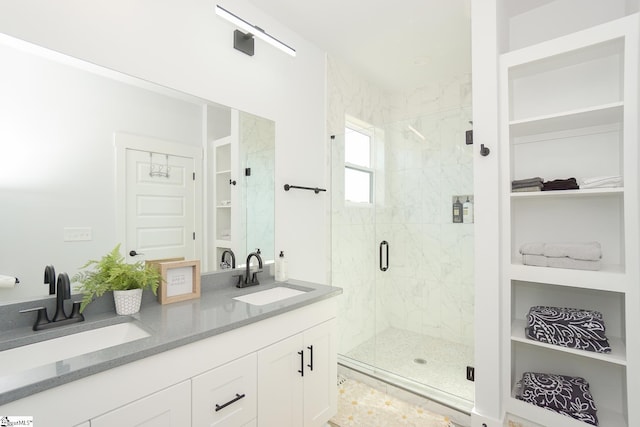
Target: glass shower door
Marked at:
406, 268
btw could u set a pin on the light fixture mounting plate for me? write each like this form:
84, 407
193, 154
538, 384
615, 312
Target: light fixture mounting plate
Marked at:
244, 42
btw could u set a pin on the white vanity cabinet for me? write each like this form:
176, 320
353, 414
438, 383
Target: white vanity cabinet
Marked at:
182, 386
226, 396
170, 407
297, 379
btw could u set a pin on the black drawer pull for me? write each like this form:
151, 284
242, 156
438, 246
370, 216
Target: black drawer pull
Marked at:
301, 370
310, 365
238, 397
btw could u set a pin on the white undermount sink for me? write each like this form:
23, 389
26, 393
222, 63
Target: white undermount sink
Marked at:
50, 351
269, 296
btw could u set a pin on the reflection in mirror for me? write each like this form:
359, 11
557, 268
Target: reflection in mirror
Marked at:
241, 155
62, 126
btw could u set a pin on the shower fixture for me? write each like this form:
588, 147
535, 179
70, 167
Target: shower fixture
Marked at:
244, 42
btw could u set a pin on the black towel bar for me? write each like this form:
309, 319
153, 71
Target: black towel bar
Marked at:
316, 190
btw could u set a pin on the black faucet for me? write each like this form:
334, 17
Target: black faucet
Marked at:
63, 293
50, 278
250, 279
224, 264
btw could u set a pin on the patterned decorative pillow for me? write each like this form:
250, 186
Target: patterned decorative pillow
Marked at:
559, 393
568, 327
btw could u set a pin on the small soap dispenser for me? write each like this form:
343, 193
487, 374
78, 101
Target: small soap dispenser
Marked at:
467, 211
281, 268
457, 211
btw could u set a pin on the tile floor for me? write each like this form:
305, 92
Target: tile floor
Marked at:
365, 406
441, 365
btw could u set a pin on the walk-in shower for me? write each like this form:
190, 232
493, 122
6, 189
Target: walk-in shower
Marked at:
404, 262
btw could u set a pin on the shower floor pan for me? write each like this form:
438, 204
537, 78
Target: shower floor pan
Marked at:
411, 360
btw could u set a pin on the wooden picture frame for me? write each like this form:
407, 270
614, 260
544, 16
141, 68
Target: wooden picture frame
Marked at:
180, 281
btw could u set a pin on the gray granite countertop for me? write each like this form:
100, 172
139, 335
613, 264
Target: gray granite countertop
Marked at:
169, 326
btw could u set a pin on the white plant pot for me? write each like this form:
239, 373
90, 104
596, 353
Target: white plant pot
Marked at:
128, 302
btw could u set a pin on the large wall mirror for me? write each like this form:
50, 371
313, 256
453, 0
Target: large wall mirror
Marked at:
91, 158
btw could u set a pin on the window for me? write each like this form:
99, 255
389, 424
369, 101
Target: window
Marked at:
358, 170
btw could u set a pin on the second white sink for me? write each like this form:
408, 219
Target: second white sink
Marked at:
50, 351
270, 295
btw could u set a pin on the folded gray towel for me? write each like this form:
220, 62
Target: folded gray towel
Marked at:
574, 264
589, 251
526, 189
526, 182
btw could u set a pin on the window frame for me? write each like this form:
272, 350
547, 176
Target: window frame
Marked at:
354, 125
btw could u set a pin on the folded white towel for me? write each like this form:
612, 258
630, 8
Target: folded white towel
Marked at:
597, 179
574, 264
537, 260
590, 251
535, 248
601, 182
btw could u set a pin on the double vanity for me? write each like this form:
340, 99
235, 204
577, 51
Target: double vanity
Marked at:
255, 355
264, 355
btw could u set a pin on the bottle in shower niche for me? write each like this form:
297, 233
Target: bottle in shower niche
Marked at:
457, 211
467, 211
281, 268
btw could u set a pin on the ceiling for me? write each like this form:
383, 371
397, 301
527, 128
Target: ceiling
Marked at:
397, 45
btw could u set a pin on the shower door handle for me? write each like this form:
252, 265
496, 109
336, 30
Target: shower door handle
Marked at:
384, 244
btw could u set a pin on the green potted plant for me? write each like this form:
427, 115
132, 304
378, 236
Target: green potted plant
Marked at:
112, 273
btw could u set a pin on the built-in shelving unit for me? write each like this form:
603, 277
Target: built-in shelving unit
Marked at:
222, 184
569, 108
223, 194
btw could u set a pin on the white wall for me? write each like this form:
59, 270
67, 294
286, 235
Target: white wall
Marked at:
185, 45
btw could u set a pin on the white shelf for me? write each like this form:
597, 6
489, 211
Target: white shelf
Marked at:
609, 278
581, 46
606, 114
223, 206
588, 192
606, 418
222, 172
568, 107
223, 243
617, 355
222, 142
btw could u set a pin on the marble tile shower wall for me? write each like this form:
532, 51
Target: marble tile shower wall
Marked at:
429, 286
257, 136
352, 255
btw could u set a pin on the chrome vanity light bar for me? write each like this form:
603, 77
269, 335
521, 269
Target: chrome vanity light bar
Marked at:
254, 30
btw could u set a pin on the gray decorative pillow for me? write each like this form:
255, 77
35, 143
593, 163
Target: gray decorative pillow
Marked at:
559, 393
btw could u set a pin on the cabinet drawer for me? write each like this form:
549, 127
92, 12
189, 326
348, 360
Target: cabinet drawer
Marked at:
231, 389
166, 408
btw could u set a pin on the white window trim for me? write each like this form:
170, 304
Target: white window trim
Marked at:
360, 126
